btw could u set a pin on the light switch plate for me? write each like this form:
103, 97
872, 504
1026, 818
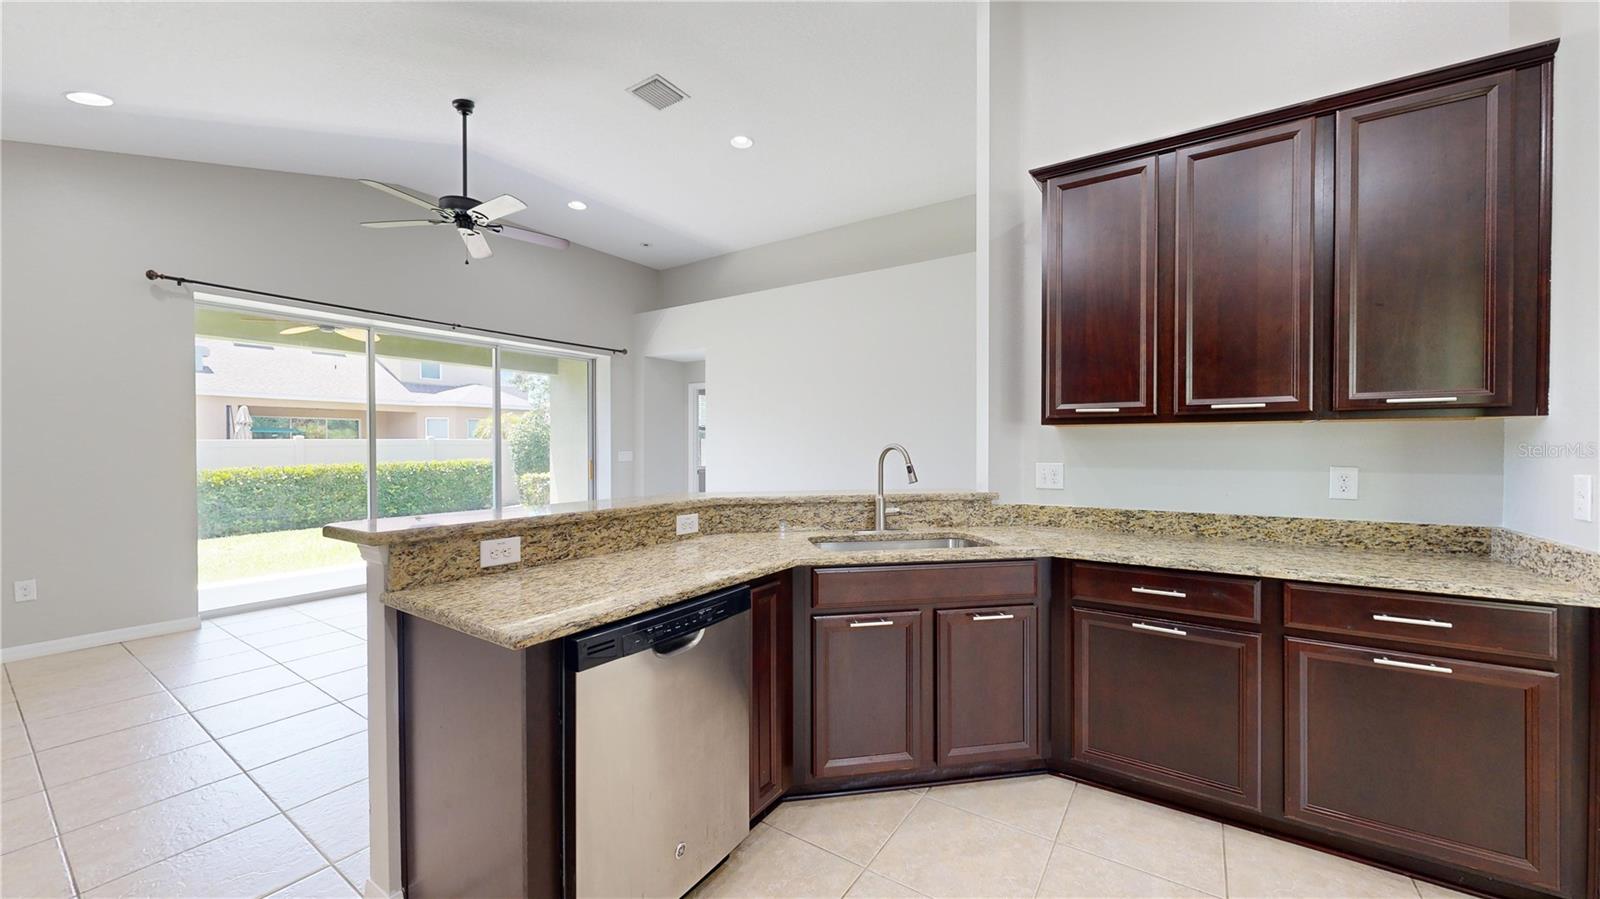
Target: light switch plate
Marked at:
25, 591
624, 455
1583, 497
689, 524
1050, 475
1344, 483
505, 551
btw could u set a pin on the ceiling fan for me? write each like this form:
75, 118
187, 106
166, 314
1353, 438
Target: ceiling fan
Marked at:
350, 333
470, 217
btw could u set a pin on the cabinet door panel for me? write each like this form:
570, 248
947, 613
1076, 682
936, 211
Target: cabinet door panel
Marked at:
1244, 272
1100, 294
987, 684
1452, 760
1172, 703
772, 686
871, 711
1423, 247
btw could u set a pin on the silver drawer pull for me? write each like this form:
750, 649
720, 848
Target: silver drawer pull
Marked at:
1420, 622
1415, 666
881, 622
997, 616
1397, 400
1159, 629
1175, 594
1238, 405
1096, 410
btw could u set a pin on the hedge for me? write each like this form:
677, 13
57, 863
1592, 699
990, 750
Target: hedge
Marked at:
281, 498
534, 488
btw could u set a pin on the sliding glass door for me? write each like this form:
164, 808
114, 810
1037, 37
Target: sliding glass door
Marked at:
435, 407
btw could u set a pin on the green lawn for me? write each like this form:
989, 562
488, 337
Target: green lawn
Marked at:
276, 552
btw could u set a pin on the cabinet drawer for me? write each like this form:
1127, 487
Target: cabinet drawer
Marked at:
1527, 632
1205, 595
902, 585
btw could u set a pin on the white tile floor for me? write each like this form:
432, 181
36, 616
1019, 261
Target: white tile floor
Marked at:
225, 761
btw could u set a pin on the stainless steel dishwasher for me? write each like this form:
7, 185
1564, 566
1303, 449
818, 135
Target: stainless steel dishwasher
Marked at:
661, 749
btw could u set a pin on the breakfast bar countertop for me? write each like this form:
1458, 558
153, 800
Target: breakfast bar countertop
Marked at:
531, 605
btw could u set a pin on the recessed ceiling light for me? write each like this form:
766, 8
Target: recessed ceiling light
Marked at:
89, 98
740, 142
577, 204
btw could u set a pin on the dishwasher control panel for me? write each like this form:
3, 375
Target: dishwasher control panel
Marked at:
642, 632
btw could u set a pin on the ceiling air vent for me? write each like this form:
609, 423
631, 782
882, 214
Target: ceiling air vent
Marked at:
658, 92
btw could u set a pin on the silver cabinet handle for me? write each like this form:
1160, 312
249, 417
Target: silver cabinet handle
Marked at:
1396, 400
1157, 628
1176, 594
1415, 666
1420, 622
881, 622
1096, 410
997, 616
1238, 405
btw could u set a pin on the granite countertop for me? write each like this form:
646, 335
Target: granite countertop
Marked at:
533, 605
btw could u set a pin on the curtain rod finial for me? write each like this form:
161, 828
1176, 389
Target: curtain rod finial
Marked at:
151, 274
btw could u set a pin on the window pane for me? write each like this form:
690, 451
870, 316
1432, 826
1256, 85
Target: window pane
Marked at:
545, 422
428, 460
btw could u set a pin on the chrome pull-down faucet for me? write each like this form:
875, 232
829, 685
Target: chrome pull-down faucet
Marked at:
911, 478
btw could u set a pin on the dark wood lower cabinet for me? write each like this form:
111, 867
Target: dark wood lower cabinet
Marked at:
987, 684
1452, 760
870, 692
771, 691
1172, 703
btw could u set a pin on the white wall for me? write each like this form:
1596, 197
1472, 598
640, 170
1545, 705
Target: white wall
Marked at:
663, 445
1072, 79
99, 500
806, 383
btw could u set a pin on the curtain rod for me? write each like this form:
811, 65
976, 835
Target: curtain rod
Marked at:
153, 275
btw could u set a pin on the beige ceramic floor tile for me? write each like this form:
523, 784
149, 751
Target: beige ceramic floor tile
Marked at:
876, 886
344, 685
25, 821
334, 607
1035, 804
356, 869
194, 652
19, 777
185, 673
61, 666
771, 863
324, 664
325, 883
264, 708
336, 823
246, 863
357, 704
237, 686
1158, 840
106, 795
304, 629
63, 729
854, 827
251, 623
301, 778
1073, 874
13, 736
349, 621
311, 646
1260, 866
50, 703
205, 633
281, 739
1434, 891
119, 846
67, 763
944, 851
37, 872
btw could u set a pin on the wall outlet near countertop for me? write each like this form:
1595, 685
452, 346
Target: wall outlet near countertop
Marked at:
505, 551
1050, 475
1344, 483
1583, 497
25, 591
689, 524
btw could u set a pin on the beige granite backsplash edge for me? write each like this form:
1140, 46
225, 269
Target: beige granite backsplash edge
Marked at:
1579, 567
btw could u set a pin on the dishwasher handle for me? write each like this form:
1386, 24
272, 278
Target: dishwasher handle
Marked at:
678, 645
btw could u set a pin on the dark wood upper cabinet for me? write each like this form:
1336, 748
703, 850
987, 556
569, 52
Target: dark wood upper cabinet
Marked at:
772, 690
987, 684
870, 697
1100, 299
1244, 272
1423, 242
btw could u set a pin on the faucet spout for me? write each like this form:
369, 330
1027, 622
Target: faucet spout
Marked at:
911, 478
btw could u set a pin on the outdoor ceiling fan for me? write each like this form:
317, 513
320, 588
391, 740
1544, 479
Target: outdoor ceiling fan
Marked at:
470, 217
358, 334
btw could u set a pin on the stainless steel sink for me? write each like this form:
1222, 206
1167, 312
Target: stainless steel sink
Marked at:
870, 544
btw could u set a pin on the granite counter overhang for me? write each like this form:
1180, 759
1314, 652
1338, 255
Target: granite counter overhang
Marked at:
529, 606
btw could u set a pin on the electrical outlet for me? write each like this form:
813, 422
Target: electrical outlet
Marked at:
1583, 497
1344, 483
624, 455
505, 551
689, 524
25, 591
1050, 475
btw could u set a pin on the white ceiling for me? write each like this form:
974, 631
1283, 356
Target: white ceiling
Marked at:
857, 109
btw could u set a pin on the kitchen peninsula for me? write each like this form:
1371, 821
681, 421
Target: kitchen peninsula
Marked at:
1220, 663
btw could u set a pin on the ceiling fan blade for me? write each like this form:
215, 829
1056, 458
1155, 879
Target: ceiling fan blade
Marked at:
517, 232
477, 247
399, 194
298, 329
356, 334
410, 224
499, 207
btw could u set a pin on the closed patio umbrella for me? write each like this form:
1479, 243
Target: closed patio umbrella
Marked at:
242, 423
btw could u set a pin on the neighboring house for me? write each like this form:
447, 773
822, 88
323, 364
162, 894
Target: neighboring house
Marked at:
314, 393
